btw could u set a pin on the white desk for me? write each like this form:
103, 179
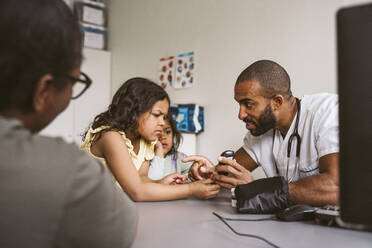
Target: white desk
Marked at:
190, 223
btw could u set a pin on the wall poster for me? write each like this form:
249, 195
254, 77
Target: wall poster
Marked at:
166, 71
184, 70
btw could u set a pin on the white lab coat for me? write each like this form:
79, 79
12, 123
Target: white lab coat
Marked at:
319, 130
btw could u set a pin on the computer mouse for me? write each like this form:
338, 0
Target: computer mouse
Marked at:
296, 212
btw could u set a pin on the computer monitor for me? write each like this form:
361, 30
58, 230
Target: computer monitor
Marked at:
354, 50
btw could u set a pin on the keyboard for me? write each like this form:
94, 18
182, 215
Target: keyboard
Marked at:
330, 215
328, 212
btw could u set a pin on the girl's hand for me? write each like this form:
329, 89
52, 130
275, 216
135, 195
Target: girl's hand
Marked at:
174, 178
159, 151
204, 189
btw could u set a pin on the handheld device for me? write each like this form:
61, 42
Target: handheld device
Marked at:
227, 154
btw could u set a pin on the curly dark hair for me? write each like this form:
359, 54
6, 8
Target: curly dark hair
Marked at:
177, 136
135, 97
37, 37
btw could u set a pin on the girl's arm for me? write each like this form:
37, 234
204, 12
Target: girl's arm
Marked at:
156, 170
112, 147
171, 179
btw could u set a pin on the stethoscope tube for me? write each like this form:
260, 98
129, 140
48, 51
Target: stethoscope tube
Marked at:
294, 136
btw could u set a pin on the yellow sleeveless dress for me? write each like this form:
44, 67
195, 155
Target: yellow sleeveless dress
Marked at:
146, 151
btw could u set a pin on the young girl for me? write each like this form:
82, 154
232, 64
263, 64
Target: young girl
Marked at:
167, 159
123, 138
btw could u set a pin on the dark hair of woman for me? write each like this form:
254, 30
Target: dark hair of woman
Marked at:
43, 37
135, 97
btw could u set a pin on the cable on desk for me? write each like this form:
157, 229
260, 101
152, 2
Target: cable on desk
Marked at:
262, 219
245, 234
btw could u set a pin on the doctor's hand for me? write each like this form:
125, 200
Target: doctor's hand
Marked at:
237, 174
202, 168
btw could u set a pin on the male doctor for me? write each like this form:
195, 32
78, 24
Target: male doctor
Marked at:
296, 139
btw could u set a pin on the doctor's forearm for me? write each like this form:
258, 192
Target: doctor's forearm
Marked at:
317, 190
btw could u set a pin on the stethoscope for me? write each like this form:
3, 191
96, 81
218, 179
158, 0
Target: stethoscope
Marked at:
294, 136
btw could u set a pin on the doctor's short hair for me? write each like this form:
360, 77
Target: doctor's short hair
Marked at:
272, 77
38, 37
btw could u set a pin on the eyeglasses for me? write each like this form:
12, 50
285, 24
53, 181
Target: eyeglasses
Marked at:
81, 84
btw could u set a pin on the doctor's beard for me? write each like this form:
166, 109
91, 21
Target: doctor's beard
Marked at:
265, 122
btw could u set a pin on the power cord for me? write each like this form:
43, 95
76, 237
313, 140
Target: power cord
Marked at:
262, 219
223, 219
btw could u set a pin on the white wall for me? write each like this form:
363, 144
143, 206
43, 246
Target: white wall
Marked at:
227, 36
77, 117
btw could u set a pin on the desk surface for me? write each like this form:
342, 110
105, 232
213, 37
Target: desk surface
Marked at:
190, 223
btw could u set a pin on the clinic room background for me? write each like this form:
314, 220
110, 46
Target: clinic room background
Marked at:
226, 37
